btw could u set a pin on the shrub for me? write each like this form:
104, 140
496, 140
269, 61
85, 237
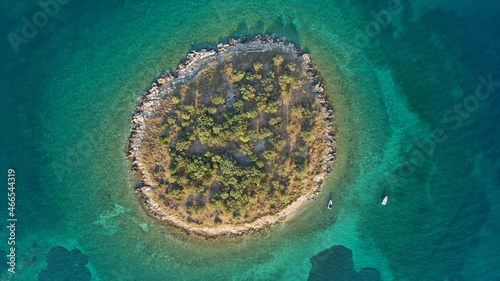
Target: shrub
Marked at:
307, 135
163, 140
297, 112
172, 119
248, 77
176, 100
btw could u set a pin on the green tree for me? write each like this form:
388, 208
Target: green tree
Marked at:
284, 81
279, 144
182, 146
238, 105
172, 119
252, 114
185, 115
244, 137
269, 155
267, 85
217, 99
212, 110
275, 122
272, 107
278, 60
189, 108
297, 111
247, 92
261, 105
257, 66
237, 75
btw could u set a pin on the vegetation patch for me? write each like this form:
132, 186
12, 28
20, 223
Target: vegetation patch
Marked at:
237, 135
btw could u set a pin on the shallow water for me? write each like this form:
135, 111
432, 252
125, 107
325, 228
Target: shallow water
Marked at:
69, 93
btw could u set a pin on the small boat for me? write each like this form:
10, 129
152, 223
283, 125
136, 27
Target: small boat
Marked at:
385, 200
330, 204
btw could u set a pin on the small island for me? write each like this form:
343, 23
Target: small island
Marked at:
235, 140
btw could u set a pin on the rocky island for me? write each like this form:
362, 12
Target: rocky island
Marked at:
236, 139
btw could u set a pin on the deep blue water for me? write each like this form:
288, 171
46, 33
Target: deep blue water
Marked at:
68, 94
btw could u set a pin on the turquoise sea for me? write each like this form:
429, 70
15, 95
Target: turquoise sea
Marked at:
416, 107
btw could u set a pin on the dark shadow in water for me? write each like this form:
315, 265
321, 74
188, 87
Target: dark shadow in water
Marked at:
336, 263
260, 27
384, 193
242, 29
279, 28
65, 265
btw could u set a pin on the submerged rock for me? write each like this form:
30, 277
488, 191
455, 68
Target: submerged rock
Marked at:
63, 265
369, 274
337, 264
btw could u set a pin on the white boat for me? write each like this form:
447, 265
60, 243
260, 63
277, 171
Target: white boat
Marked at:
330, 204
385, 200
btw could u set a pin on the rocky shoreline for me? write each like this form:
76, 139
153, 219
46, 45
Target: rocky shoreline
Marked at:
161, 89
